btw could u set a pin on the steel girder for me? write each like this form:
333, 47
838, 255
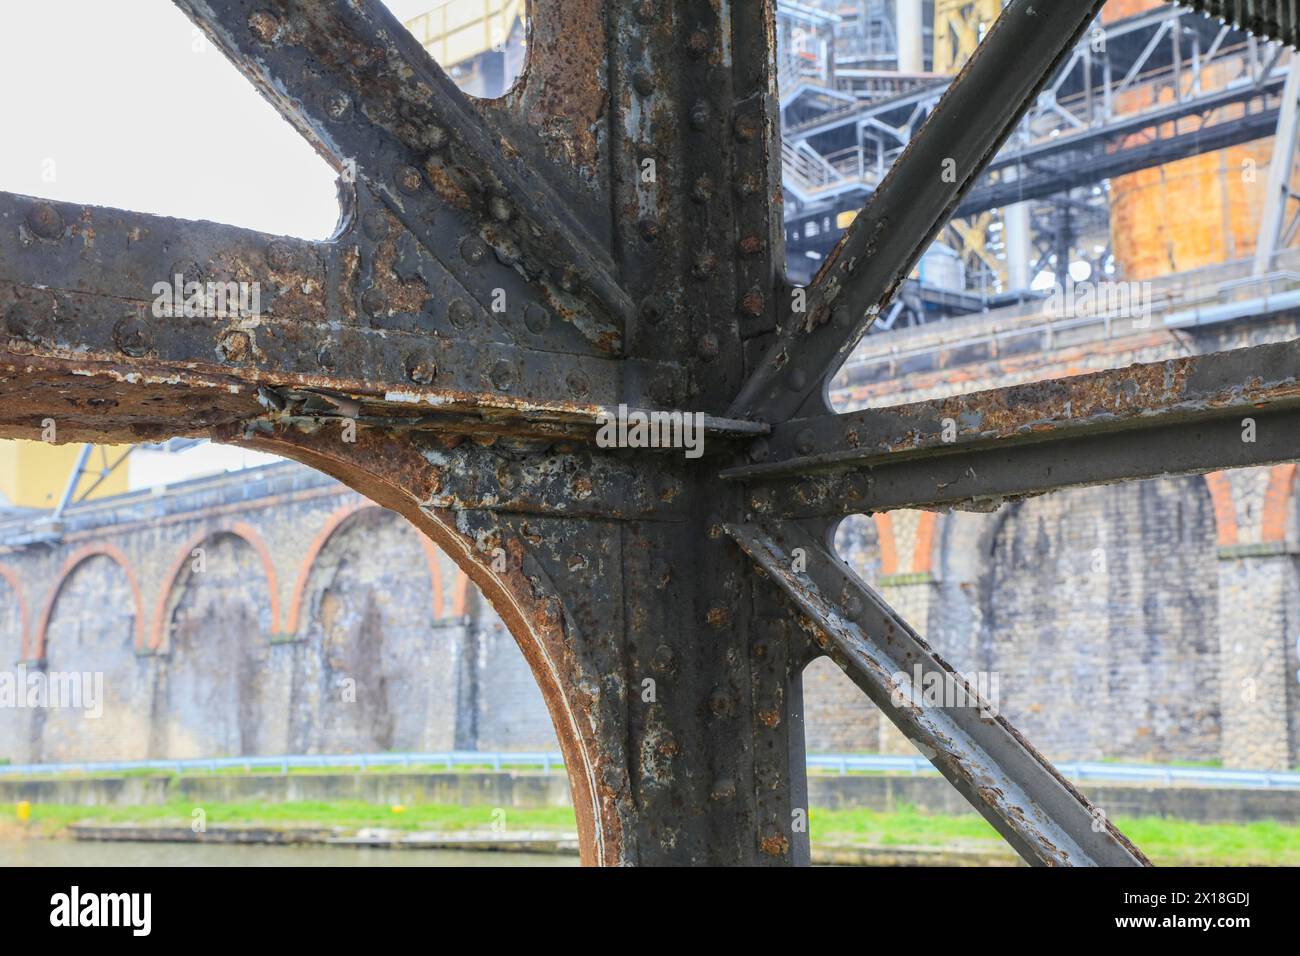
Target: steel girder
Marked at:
609, 233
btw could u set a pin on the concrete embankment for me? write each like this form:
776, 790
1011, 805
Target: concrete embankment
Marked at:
885, 793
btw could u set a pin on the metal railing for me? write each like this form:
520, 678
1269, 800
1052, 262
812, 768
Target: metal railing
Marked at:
553, 761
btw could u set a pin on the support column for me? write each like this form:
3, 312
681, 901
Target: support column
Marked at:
1254, 584
909, 24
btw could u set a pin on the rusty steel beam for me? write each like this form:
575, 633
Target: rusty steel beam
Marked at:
1183, 416
1046, 820
506, 275
915, 200
960, 731
360, 88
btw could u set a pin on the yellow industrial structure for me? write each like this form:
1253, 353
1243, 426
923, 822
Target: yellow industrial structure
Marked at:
34, 474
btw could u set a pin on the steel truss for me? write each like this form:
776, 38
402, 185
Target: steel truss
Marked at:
624, 203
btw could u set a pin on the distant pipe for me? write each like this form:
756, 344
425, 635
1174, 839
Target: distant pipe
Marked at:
908, 22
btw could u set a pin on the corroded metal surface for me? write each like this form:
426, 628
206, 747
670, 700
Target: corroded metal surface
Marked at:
506, 275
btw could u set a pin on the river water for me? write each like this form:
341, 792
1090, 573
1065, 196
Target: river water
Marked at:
86, 853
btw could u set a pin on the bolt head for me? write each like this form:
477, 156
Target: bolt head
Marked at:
536, 319
700, 115
460, 313
264, 26
753, 303
421, 367
653, 310
578, 384
746, 128
706, 264
698, 43
703, 189
805, 442
473, 249
649, 229
644, 83
235, 346
131, 336
759, 450
375, 225
28, 315
408, 180
45, 221
280, 256
502, 375
336, 104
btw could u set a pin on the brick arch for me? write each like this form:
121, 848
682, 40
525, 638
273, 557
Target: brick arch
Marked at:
332, 524
1225, 510
246, 533
75, 560
1277, 501
888, 544
15, 585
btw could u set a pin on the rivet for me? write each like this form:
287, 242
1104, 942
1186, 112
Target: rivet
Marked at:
408, 180
264, 26
45, 221
375, 225
751, 245
501, 209
460, 313
131, 336
805, 441
753, 303
374, 302
653, 311
724, 788
749, 185
797, 380
646, 11
27, 315
569, 280
698, 43
502, 375
718, 617
746, 128
708, 348
473, 249
644, 83
700, 114
703, 189
536, 319
435, 136
649, 229
577, 382
325, 357
720, 703
759, 449
279, 256
706, 264
853, 607
235, 346
336, 104
421, 367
